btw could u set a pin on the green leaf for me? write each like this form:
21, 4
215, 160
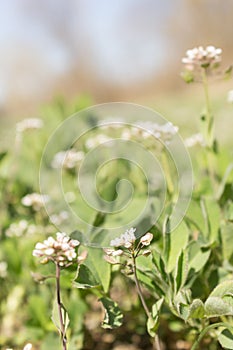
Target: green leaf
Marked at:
181, 271
214, 218
220, 301
85, 278
178, 242
166, 238
197, 255
216, 306
94, 272
113, 317
2, 155
197, 309
153, 321
225, 339
56, 318
159, 263
226, 237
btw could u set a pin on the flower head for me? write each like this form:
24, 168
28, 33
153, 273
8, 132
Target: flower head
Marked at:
146, 239
60, 250
67, 159
35, 200
29, 124
204, 57
126, 240
196, 139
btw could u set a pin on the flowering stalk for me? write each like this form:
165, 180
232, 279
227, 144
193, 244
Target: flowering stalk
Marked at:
128, 248
62, 252
209, 117
59, 305
139, 291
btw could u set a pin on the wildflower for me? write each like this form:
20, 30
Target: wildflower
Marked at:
29, 124
35, 200
67, 159
28, 346
3, 269
230, 96
196, 139
96, 141
146, 239
201, 57
163, 132
127, 239
60, 250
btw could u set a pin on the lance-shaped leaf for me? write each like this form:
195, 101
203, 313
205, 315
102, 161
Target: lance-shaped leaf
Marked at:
113, 317
181, 271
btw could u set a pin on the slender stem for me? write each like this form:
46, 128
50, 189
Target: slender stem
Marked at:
205, 330
139, 290
59, 305
208, 108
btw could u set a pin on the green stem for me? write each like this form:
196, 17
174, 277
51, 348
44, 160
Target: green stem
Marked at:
204, 331
139, 290
59, 305
209, 117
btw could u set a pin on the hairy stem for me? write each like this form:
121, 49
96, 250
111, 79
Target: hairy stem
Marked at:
139, 290
205, 330
59, 305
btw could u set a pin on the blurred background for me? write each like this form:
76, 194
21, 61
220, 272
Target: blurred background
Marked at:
125, 50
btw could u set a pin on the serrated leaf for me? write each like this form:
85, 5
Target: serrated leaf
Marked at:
153, 321
197, 309
113, 317
181, 271
225, 339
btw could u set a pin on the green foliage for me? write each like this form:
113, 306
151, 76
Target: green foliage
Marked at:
113, 317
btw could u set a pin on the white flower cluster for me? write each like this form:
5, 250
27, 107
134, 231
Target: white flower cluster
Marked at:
145, 130
57, 219
67, 159
3, 269
29, 124
27, 347
60, 250
35, 200
126, 240
97, 140
21, 228
196, 139
199, 56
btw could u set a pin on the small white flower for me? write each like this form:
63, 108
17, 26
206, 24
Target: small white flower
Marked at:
199, 56
146, 239
70, 254
230, 96
67, 159
29, 124
196, 139
35, 200
3, 269
60, 250
28, 346
127, 239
